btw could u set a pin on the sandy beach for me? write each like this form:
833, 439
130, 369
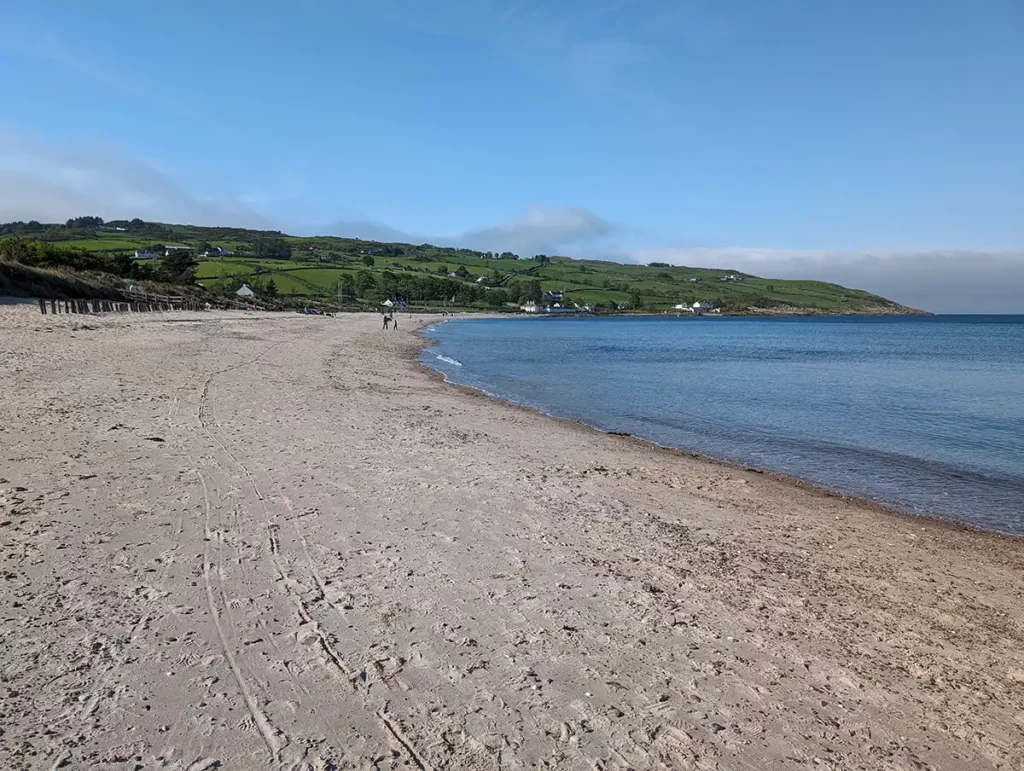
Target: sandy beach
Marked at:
269, 541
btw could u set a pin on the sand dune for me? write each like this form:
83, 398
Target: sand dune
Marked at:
267, 541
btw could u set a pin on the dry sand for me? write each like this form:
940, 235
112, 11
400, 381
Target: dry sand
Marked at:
269, 541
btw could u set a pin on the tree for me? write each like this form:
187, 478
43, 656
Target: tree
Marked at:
272, 247
346, 286
368, 261
636, 300
136, 225
365, 283
84, 222
530, 291
270, 290
461, 272
178, 267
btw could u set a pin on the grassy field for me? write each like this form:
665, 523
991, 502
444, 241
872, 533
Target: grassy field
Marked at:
318, 264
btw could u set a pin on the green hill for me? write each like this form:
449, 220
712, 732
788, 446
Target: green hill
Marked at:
330, 269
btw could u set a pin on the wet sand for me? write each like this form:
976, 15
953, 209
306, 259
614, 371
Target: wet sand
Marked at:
270, 541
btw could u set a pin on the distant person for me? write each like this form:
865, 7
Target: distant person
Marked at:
386, 320
394, 324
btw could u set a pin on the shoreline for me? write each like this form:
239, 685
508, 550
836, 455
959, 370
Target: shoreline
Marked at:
892, 510
278, 541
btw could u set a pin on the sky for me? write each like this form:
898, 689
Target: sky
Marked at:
877, 144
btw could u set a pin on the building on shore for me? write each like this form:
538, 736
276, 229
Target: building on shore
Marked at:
698, 308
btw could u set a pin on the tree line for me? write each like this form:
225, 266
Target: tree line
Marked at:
176, 268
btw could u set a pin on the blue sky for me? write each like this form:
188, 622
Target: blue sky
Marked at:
821, 138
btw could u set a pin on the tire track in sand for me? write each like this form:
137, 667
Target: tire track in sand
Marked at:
333, 659
271, 736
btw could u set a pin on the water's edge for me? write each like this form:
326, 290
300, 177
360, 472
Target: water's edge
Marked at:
426, 343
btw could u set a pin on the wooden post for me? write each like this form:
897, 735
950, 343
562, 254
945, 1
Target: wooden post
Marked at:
42, 306
53, 306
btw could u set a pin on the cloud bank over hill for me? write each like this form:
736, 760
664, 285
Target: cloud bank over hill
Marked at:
941, 281
51, 182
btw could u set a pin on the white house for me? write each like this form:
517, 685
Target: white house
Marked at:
698, 307
145, 255
245, 291
533, 308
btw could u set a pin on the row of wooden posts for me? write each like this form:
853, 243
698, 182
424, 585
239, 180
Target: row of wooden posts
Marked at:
114, 306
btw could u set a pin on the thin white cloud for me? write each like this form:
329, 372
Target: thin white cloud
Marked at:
52, 182
45, 47
540, 229
597, 48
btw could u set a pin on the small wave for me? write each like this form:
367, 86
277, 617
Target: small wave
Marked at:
450, 361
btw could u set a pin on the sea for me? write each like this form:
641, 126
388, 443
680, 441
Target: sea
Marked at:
921, 413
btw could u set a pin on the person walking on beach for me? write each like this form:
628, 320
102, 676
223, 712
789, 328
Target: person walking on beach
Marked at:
386, 320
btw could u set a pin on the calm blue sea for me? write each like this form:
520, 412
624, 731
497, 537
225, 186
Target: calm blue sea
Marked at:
924, 413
